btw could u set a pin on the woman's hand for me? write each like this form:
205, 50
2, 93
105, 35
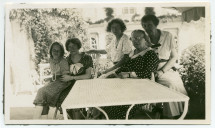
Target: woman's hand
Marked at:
159, 74
66, 78
124, 75
148, 107
99, 74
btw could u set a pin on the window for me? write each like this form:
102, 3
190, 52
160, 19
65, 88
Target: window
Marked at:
93, 43
130, 10
125, 10
94, 40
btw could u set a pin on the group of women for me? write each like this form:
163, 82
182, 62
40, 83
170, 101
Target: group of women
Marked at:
139, 62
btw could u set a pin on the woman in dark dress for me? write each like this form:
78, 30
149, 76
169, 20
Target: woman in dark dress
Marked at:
80, 67
143, 61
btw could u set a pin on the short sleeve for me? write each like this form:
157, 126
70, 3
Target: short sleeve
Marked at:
172, 41
108, 48
127, 46
109, 38
64, 66
88, 61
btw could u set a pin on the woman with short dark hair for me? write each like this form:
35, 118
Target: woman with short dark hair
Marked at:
166, 75
75, 41
80, 66
117, 21
118, 45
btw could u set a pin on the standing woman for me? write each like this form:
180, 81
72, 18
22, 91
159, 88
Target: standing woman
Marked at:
80, 66
168, 56
119, 47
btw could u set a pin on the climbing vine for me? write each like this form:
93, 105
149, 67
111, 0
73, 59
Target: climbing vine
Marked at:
48, 25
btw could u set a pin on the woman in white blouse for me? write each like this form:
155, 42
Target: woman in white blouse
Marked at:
118, 45
166, 75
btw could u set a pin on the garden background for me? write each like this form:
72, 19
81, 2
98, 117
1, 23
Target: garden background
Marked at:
33, 30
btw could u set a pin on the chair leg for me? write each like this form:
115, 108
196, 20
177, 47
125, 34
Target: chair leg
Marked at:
55, 114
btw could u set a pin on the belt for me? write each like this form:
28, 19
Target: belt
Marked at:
115, 63
163, 60
156, 45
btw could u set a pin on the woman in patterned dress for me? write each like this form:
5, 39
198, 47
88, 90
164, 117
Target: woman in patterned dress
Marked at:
80, 67
49, 94
166, 74
143, 62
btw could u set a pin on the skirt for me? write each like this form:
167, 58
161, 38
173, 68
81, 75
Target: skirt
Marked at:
172, 80
50, 94
119, 112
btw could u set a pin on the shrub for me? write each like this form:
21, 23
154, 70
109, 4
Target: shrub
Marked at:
193, 75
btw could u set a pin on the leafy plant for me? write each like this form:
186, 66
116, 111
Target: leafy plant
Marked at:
193, 76
149, 11
46, 26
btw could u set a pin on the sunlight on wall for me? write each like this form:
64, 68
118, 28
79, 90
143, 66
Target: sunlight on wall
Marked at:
20, 62
191, 33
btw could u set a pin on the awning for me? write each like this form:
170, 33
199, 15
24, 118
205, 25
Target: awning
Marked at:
191, 13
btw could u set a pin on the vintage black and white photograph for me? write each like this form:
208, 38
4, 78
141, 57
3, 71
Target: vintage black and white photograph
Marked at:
107, 63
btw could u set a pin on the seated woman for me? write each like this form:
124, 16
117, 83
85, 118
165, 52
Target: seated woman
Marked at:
166, 74
143, 62
80, 67
49, 94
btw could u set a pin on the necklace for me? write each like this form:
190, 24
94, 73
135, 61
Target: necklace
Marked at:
55, 68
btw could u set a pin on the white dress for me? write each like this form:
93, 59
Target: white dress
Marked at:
115, 53
170, 78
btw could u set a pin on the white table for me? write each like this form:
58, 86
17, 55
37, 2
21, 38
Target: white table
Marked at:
111, 92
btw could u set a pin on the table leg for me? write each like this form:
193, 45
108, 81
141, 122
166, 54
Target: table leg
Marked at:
185, 110
65, 114
129, 111
103, 112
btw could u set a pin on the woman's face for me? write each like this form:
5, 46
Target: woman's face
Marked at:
138, 40
73, 48
116, 29
56, 51
149, 27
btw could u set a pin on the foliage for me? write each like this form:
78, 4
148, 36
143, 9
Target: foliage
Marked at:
135, 18
149, 11
48, 25
193, 71
109, 15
